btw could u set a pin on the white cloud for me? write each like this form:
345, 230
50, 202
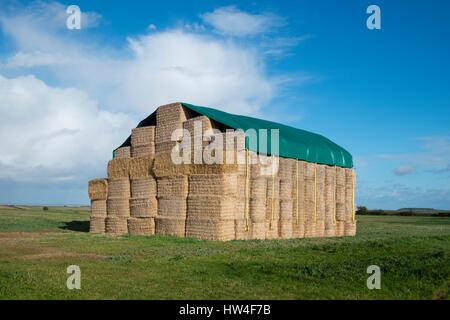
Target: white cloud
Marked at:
54, 134
231, 21
404, 170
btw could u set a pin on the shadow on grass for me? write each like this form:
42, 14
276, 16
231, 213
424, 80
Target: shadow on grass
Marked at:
80, 226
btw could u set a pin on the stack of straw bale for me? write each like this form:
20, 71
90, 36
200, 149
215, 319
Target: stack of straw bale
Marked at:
98, 192
264, 198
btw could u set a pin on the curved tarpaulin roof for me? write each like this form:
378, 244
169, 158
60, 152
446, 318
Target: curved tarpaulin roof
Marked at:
294, 143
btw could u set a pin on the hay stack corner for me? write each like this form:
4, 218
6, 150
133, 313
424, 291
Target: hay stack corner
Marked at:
311, 194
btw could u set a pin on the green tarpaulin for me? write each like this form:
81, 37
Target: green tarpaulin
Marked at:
293, 143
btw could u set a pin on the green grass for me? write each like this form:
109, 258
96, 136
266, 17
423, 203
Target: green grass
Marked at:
37, 246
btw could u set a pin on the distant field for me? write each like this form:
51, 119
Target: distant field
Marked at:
36, 247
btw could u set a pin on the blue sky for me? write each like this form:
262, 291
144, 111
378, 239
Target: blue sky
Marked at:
72, 95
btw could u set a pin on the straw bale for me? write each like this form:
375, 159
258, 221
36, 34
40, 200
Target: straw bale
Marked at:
98, 189
205, 123
309, 170
271, 229
118, 207
143, 187
143, 151
258, 188
172, 207
211, 207
330, 200
350, 228
163, 132
286, 169
141, 226
285, 229
213, 184
143, 207
167, 147
298, 228
98, 208
258, 230
320, 196
320, 228
170, 226
341, 212
340, 228
164, 167
340, 176
286, 189
210, 229
257, 209
272, 208
97, 225
243, 229
173, 112
119, 188
122, 153
143, 136
116, 225
286, 209
310, 229
119, 168
141, 167
331, 232
173, 186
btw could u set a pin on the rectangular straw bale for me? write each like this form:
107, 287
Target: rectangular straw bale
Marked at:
310, 229
310, 169
320, 228
286, 209
119, 188
141, 167
350, 228
240, 208
210, 206
98, 208
118, 207
242, 231
116, 225
286, 168
170, 226
330, 200
257, 209
97, 225
143, 136
166, 132
271, 229
285, 229
173, 112
173, 186
340, 177
258, 188
298, 228
98, 189
286, 189
340, 228
143, 207
119, 168
141, 226
143, 151
320, 196
143, 187
205, 123
172, 207
122, 153
213, 184
341, 212
349, 194
164, 167
167, 147
210, 229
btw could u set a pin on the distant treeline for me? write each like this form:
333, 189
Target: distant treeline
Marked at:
361, 210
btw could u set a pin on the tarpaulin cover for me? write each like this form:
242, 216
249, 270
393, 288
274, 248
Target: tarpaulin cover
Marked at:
293, 143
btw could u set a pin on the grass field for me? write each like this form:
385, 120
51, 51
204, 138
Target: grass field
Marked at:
37, 246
